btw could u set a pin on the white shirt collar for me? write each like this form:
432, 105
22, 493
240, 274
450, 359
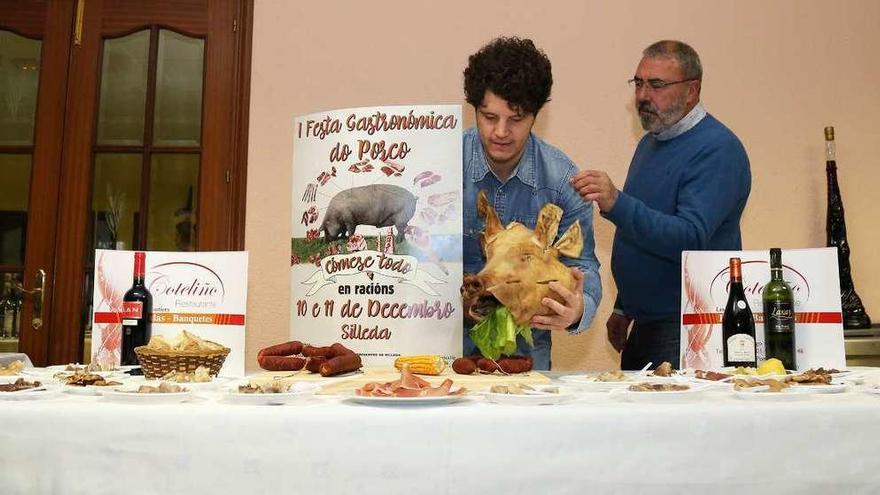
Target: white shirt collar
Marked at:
685, 124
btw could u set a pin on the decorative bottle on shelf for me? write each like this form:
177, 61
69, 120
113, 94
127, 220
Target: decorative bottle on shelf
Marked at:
15, 301
738, 324
854, 315
137, 309
7, 315
779, 336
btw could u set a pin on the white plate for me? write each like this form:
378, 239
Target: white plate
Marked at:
44, 391
540, 398
591, 384
86, 390
214, 384
762, 393
297, 391
129, 395
405, 401
831, 388
236, 397
870, 389
693, 393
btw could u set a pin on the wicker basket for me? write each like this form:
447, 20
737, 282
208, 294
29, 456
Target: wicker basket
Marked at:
157, 364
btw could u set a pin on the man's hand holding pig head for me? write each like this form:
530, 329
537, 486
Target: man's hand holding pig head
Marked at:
562, 315
595, 185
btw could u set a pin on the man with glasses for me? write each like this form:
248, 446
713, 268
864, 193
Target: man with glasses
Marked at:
686, 188
508, 81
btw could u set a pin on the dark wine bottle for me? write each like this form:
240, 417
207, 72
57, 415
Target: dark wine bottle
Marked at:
738, 325
779, 336
137, 310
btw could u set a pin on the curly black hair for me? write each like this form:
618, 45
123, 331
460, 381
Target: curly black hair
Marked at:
512, 68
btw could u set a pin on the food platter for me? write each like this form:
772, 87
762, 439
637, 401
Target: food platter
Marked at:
86, 390
281, 398
131, 396
694, 392
44, 391
763, 394
830, 388
590, 382
540, 397
296, 392
404, 401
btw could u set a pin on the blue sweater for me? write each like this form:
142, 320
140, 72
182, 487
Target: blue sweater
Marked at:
686, 193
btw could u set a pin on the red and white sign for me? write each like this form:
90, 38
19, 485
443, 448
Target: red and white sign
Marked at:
204, 293
813, 276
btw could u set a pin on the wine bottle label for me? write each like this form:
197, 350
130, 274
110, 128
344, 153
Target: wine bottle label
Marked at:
779, 317
741, 304
740, 347
132, 310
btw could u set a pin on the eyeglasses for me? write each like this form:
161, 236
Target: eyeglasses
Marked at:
656, 84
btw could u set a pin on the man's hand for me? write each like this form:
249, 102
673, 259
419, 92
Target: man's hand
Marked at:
564, 315
595, 185
617, 329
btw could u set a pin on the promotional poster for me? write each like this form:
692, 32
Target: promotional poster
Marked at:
376, 234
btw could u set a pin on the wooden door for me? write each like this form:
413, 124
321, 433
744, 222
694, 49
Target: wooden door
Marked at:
34, 54
149, 152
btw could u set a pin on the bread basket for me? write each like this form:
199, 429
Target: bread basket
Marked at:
158, 363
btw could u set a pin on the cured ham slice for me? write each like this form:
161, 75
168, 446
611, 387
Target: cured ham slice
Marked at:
409, 385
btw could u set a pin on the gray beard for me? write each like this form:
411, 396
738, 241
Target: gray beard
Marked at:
661, 121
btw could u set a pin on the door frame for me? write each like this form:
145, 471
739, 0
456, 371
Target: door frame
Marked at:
55, 32
224, 230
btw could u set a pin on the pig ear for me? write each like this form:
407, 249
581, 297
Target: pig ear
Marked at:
547, 224
572, 242
493, 223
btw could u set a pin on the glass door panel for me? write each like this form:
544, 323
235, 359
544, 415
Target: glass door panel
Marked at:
116, 201
123, 90
174, 180
19, 84
19, 74
15, 177
179, 72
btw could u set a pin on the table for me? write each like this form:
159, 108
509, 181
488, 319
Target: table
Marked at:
717, 444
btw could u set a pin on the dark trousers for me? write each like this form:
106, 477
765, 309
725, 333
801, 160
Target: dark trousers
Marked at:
652, 341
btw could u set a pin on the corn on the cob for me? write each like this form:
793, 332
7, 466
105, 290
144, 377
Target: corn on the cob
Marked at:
425, 364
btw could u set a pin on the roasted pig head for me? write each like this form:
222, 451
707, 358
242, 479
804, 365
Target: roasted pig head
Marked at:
520, 264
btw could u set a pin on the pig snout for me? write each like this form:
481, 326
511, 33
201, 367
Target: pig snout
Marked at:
476, 300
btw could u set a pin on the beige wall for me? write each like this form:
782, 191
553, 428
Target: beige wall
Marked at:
775, 72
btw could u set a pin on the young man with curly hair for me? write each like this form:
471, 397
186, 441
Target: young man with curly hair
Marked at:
508, 81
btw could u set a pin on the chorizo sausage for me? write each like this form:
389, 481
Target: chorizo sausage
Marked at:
281, 363
341, 364
464, 366
486, 365
314, 363
312, 351
285, 349
512, 365
338, 349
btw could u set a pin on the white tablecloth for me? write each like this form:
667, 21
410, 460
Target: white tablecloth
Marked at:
719, 444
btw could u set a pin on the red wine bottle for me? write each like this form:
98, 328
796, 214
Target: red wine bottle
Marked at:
738, 324
137, 310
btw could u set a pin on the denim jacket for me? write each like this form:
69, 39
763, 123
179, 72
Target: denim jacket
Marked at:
541, 177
